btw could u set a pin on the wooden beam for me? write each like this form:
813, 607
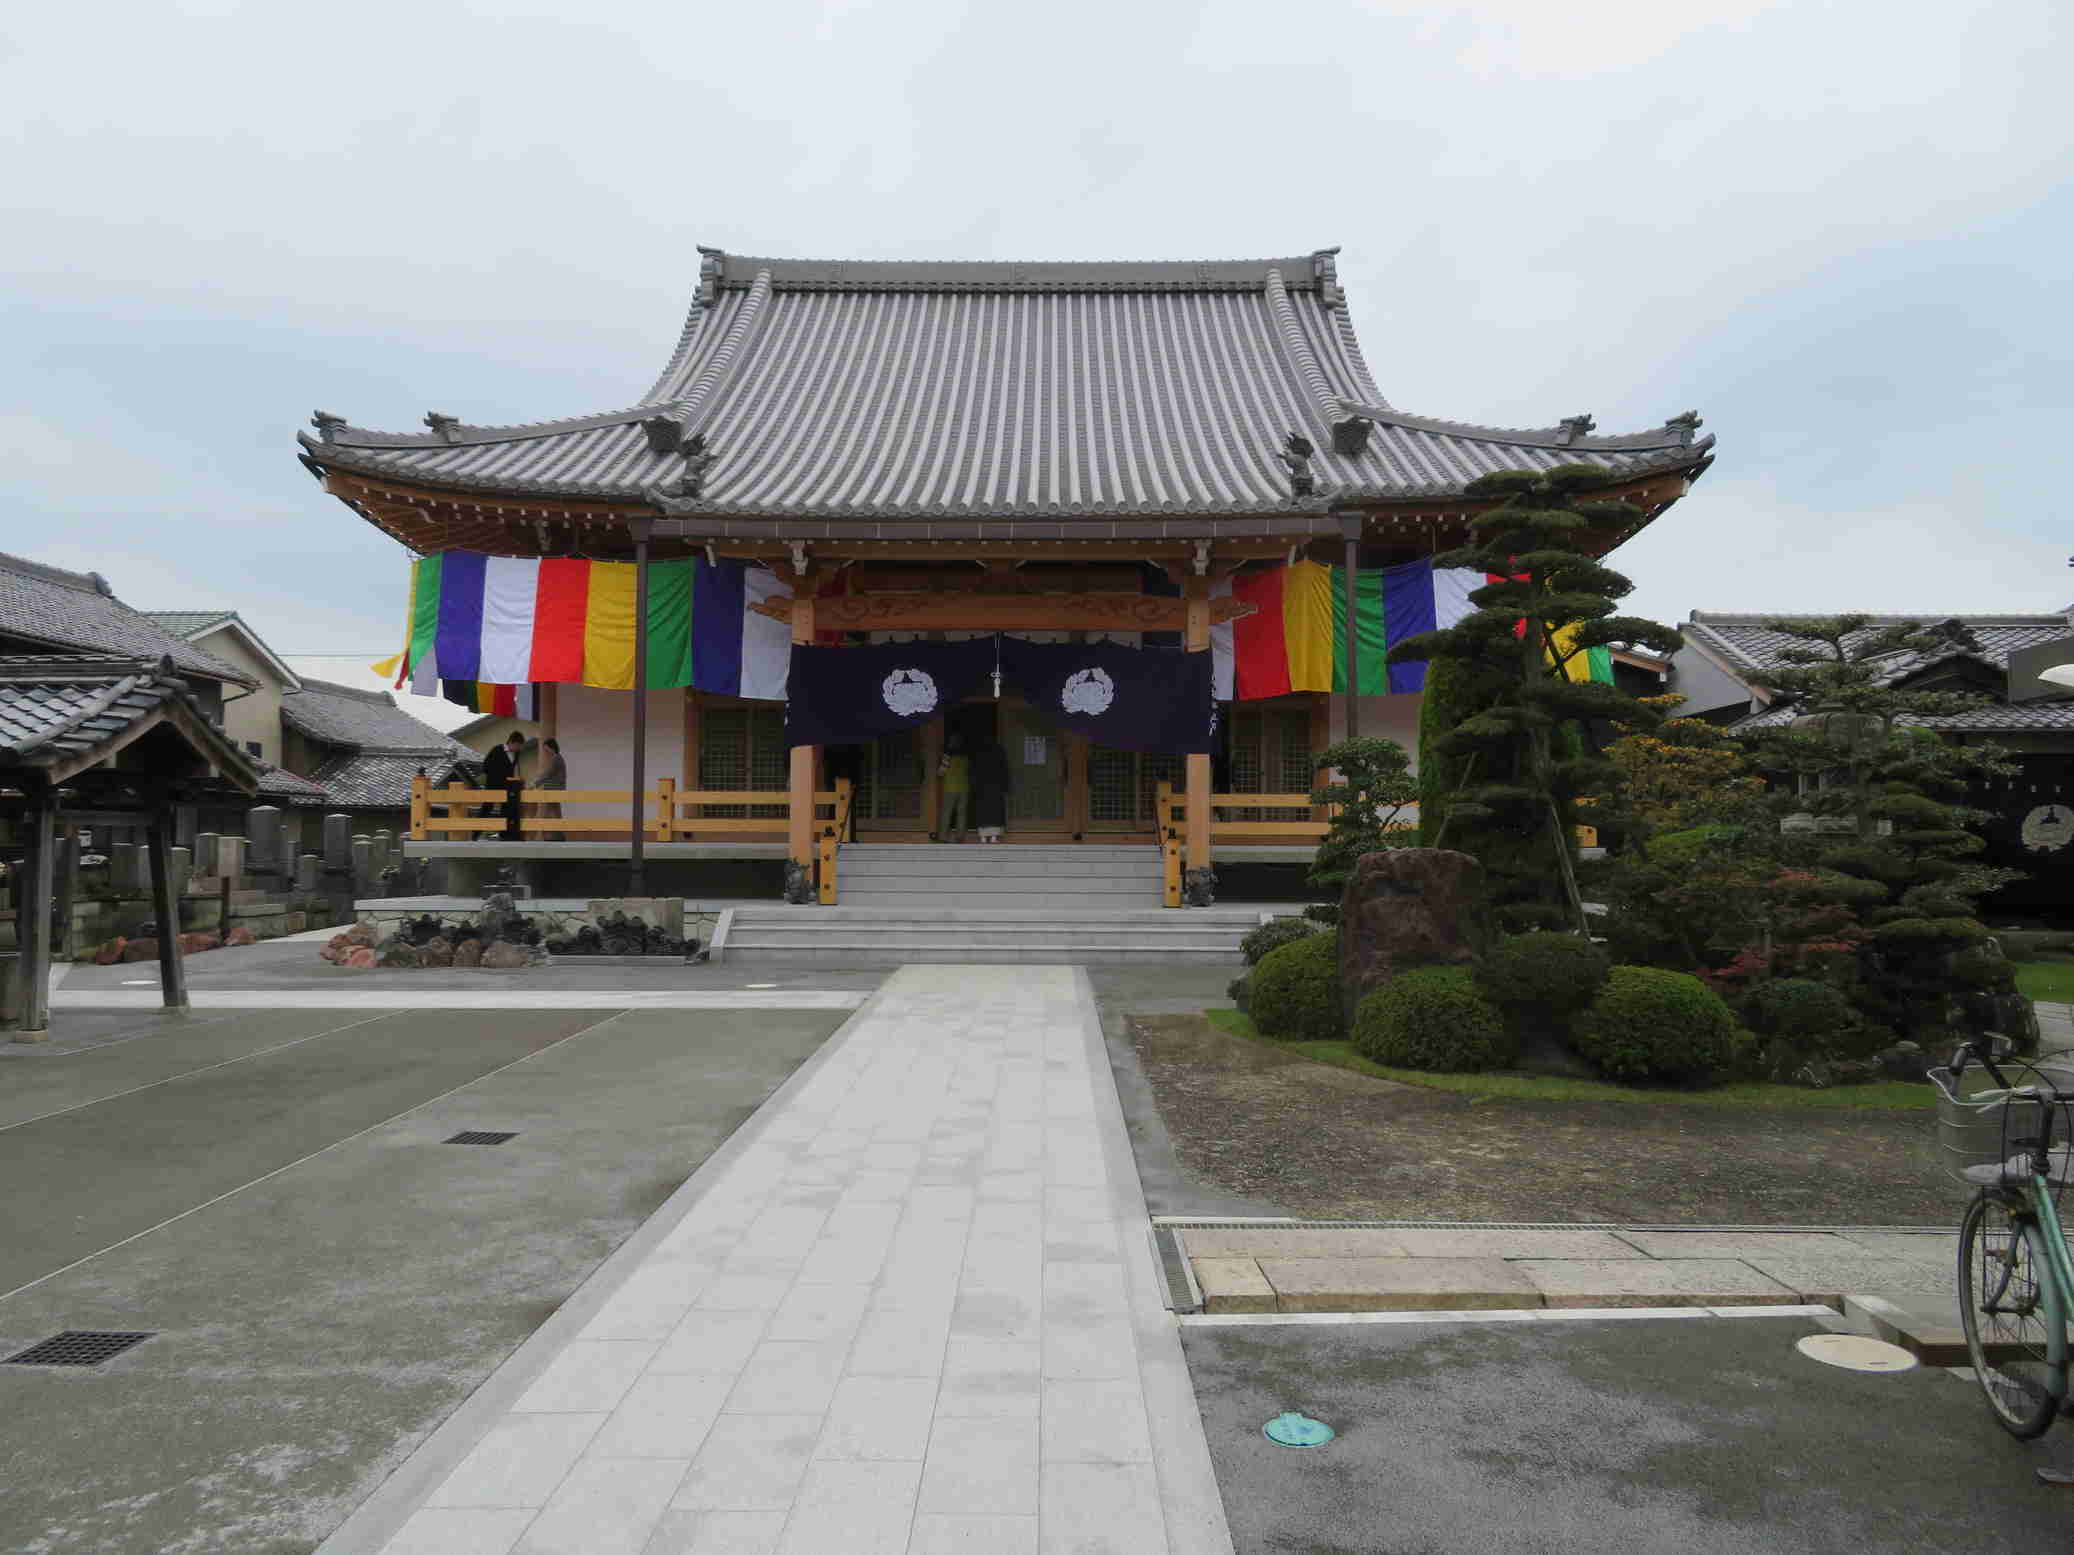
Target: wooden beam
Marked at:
32, 921
1197, 607
165, 906
799, 830
919, 612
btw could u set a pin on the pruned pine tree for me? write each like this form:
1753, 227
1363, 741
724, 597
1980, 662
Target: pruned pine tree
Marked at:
1514, 758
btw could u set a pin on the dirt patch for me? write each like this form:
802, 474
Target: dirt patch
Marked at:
1325, 1143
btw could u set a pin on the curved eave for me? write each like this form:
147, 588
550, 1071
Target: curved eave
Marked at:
1357, 493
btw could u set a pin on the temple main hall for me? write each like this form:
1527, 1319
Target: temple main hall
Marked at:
1155, 460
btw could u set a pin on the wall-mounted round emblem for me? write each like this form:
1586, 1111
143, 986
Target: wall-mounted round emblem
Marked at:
909, 693
1088, 691
2049, 828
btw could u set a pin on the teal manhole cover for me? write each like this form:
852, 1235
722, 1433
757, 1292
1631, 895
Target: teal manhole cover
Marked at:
1290, 1429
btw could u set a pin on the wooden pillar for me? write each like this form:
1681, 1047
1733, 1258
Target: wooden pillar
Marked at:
32, 920
1197, 592
799, 830
64, 892
637, 876
1350, 527
165, 906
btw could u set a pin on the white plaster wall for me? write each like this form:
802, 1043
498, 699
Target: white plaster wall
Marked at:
596, 731
1394, 717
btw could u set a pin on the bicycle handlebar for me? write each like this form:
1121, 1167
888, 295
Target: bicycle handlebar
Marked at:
1981, 1051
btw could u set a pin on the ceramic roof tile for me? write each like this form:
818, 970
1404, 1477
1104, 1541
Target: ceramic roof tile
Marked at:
77, 612
364, 780
890, 390
61, 710
346, 716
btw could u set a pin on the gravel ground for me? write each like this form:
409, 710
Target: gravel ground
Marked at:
1321, 1142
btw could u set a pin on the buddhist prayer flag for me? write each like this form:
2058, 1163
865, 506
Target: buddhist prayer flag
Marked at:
1296, 639
483, 696
515, 621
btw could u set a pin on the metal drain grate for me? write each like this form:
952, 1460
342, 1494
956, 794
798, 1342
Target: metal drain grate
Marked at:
479, 1136
76, 1347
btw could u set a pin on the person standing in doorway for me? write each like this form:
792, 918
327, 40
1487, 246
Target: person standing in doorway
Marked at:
553, 774
500, 771
956, 771
989, 790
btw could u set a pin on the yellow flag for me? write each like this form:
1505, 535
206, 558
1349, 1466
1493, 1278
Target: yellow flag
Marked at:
388, 667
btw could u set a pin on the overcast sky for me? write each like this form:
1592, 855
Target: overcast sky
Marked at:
1841, 231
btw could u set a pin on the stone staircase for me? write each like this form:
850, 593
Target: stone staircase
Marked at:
973, 904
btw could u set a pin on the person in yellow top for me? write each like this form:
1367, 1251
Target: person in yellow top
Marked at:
956, 771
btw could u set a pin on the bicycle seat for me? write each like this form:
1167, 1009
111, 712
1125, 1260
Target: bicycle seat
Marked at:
2016, 1171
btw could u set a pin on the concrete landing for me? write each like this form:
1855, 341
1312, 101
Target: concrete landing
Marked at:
1292, 1267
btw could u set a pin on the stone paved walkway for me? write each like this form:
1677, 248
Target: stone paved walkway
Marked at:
909, 1310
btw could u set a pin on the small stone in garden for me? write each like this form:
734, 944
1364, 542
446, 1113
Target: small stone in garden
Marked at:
111, 952
505, 956
360, 956
140, 950
468, 953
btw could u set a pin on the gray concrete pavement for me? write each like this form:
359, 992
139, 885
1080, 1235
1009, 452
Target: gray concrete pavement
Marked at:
315, 1324
1708, 1436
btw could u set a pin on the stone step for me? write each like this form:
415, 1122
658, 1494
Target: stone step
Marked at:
989, 861
1057, 934
905, 903
1236, 918
1093, 885
947, 952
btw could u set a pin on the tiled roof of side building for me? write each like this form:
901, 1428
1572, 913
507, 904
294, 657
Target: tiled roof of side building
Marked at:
360, 720
61, 713
277, 785
1988, 718
78, 612
381, 779
1748, 645
918, 390
185, 623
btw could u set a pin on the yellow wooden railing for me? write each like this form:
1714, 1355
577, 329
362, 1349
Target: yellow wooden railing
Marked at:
833, 831
672, 813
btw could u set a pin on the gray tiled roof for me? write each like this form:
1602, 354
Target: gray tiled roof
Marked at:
365, 780
877, 390
62, 712
1991, 717
77, 612
1749, 648
186, 623
277, 785
358, 720
1747, 644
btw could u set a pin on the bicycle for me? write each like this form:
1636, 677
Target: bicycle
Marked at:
2016, 1280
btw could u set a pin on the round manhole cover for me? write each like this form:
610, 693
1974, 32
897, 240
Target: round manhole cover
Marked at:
1294, 1430
1854, 1352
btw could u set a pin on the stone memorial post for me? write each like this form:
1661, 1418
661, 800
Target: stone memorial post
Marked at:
1407, 907
338, 842
206, 855
263, 827
309, 873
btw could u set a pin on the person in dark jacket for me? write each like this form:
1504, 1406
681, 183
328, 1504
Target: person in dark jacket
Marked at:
989, 790
500, 770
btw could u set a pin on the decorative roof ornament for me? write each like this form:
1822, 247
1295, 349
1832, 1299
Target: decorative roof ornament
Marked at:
1326, 268
326, 423
1576, 428
697, 460
1685, 425
1296, 453
442, 424
1350, 436
665, 434
710, 269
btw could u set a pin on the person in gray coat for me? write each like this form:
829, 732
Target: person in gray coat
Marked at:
553, 773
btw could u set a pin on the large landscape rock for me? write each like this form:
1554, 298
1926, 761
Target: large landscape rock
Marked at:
1407, 907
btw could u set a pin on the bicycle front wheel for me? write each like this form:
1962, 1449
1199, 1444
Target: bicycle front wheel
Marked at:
2008, 1311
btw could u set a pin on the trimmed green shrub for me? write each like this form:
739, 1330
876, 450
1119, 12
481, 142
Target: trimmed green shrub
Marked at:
1558, 974
1432, 1017
1649, 1024
1799, 1009
1240, 991
1273, 935
1295, 990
